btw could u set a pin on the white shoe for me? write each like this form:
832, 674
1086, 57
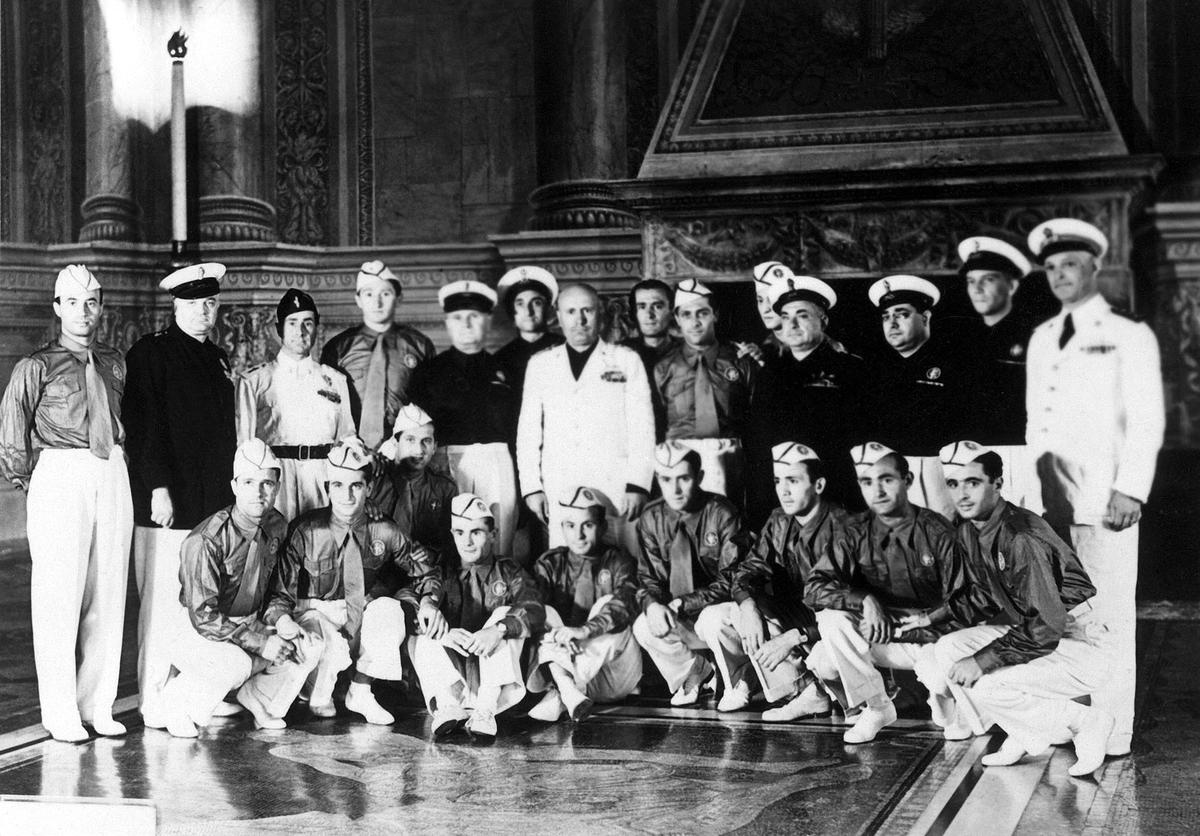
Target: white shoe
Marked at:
809, 702
225, 708
448, 720
360, 700
578, 706
735, 698
1009, 753
107, 727
869, 723
701, 678
549, 709
324, 711
179, 724
958, 731
69, 734
1091, 741
262, 719
482, 724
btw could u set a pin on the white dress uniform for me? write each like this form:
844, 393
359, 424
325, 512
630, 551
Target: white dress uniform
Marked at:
299, 407
1096, 419
597, 430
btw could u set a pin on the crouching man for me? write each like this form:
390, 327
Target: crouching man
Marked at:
470, 664
886, 589
353, 582
225, 566
588, 653
1041, 646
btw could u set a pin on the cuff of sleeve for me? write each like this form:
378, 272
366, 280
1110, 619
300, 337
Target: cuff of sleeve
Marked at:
740, 595
1137, 492
854, 598
939, 615
988, 660
595, 628
648, 599
513, 628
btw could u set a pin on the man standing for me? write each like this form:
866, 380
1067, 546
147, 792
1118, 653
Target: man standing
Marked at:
60, 437
689, 543
527, 294
470, 664
588, 653
378, 356
297, 406
1096, 416
353, 582
226, 565
178, 409
993, 270
706, 387
650, 310
577, 396
769, 278
466, 392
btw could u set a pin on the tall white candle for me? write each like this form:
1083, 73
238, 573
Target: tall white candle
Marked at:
178, 49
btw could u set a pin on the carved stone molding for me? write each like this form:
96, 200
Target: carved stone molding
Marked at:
365, 143
579, 204
598, 256
109, 217
235, 218
44, 76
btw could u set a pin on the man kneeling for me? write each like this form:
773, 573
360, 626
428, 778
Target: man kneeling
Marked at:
225, 565
470, 665
588, 653
352, 581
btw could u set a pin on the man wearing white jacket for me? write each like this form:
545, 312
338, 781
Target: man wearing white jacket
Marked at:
586, 419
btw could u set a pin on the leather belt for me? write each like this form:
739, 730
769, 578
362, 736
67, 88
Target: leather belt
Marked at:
301, 451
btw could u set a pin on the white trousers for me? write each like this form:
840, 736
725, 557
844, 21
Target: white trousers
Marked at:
723, 463
607, 668
928, 488
486, 470
375, 651
160, 615
673, 654
717, 625
79, 523
453, 679
1111, 561
301, 487
208, 670
846, 662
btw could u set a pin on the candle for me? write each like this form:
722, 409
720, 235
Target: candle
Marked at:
177, 48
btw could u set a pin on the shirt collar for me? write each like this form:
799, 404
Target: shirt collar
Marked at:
76, 348
479, 567
880, 531
987, 532
709, 352
355, 528
294, 364
247, 527
1095, 305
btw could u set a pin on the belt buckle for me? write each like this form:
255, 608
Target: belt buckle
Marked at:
303, 451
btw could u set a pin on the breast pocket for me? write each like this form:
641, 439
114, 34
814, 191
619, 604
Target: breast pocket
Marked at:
58, 398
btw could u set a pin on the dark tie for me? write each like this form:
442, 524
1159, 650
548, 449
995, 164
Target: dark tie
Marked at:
473, 611
354, 585
682, 580
1068, 331
374, 396
100, 428
706, 403
585, 592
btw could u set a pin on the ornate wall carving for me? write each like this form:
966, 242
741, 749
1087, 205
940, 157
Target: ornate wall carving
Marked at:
365, 124
44, 76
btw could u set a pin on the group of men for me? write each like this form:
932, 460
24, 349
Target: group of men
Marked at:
532, 520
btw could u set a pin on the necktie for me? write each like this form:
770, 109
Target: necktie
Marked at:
473, 611
374, 396
585, 592
354, 584
706, 403
100, 428
246, 601
682, 580
1068, 331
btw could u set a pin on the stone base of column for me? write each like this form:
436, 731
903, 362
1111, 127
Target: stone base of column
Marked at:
579, 204
229, 217
109, 217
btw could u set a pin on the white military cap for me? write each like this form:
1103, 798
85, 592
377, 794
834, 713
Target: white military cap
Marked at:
770, 272
470, 507
252, 456
898, 290
466, 295
350, 453
374, 273
582, 499
792, 452
74, 279
865, 455
528, 277
961, 453
410, 417
196, 281
1060, 235
691, 292
669, 453
801, 289
980, 252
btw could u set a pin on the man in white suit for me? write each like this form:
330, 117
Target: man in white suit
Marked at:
586, 419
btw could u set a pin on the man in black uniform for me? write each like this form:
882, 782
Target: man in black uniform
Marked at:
178, 409
527, 294
998, 341
920, 387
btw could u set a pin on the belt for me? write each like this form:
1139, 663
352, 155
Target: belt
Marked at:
301, 451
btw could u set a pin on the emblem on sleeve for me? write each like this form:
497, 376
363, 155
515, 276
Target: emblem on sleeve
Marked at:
378, 547
604, 578
710, 538
411, 361
273, 545
732, 373
117, 372
500, 589
927, 560
933, 372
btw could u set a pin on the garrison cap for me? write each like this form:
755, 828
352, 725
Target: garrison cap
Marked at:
582, 498
349, 453
73, 279
466, 295
528, 277
293, 302
801, 289
196, 281
691, 292
252, 456
468, 506
770, 272
980, 252
961, 453
410, 417
670, 453
1061, 235
866, 455
792, 453
374, 273
898, 290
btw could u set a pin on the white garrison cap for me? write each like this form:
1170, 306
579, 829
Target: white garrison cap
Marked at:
791, 452
770, 272
466, 294
801, 289
1060, 235
690, 292
865, 455
252, 456
350, 453
980, 252
582, 499
896, 290
374, 273
960, 454
74, 279
410, 417
529, 277
669, 453
196, 281
470, 507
